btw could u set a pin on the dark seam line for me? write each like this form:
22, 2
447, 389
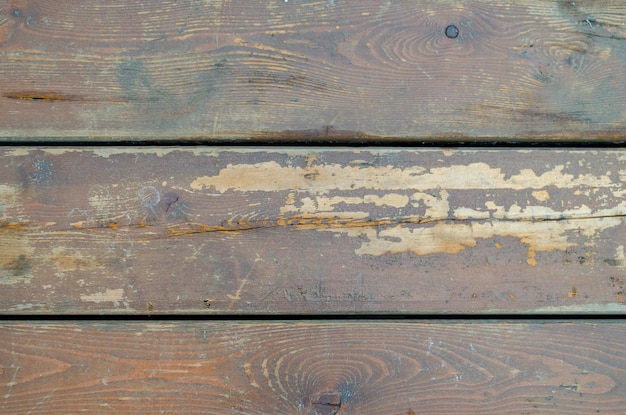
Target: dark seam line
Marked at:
438, 317
494, 144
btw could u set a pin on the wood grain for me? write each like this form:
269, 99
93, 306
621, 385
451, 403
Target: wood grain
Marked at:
326, 70
296, 230
312, 368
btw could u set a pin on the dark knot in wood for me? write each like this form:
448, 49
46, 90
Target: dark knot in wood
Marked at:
326, 403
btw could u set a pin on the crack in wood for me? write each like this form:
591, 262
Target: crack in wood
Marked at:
300, 223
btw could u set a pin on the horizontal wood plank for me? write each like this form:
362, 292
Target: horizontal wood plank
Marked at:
296, 230
312, 368
326, 70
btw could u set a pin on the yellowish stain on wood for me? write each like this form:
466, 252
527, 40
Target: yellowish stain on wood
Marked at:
73, 260
9, 198
15, 250
109, 295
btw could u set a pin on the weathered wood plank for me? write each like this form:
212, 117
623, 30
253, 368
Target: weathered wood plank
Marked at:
295, 230
329, 70
312, 368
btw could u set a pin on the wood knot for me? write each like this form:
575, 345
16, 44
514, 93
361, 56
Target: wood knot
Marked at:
326, 403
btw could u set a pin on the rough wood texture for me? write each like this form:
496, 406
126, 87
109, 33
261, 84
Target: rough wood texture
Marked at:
293, 230
313, 368
325, 70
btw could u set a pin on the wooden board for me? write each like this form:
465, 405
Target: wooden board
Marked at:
296, 230
239, 238
328, 70
312, 368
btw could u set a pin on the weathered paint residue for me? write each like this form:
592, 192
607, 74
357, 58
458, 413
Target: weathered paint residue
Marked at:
316, 204
450, 229
9, 198
270, 176
620, 258
15, 249
541, 195
109, 295
452, 238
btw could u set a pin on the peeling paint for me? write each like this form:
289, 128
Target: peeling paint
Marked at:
541, 195
327, 204
454, 237
107, 152
271, 176
579, 308
541, 228
109, 295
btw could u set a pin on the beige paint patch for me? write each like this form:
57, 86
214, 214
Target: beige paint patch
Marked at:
271, 176
467, 214
107, 152
109, 295
312, 205
437, 206
452, 238
541, 195
576, 308
541, 228
18, 152
620, 258
320, 179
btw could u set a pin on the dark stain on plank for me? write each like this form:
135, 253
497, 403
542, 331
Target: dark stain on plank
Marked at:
326, 132
42, 96
135, 81
19, 266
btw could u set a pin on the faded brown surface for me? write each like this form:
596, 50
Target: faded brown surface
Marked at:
312, 368
311, 232
326, 70
295, 230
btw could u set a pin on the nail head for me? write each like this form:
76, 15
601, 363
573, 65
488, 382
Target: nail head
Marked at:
452, 32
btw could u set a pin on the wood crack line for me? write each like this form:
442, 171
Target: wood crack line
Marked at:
339, 223
299, 223
605, 36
